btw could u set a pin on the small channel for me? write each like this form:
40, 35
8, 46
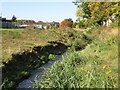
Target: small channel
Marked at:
22, 64
29, 83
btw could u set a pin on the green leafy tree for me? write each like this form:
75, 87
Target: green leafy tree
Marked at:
14, 22
97, 12
116, 10
74, 24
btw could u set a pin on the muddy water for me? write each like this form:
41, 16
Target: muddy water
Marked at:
29, 83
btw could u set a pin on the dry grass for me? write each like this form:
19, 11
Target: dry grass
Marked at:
19, 40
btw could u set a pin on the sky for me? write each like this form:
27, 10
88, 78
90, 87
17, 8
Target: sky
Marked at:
39, 11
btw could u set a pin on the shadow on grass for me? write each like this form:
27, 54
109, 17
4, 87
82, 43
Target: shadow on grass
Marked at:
21, 64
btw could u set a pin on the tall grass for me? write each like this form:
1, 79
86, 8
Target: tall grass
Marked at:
61, 75
94, 67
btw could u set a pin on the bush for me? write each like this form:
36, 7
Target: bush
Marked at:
80, 40
77, 26
114, 24
90, 31
52, 56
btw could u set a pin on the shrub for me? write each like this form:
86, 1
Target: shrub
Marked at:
80, 40
74, 25
52, 56
114, 24
96, 28
81, 24
48, 27
77, 26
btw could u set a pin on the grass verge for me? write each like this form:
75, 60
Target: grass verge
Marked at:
94, 67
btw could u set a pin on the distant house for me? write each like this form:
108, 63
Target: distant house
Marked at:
56, 24
4, 23
78, 20
31, 24
43, 25
38, 26
28, 24
22, 26
108, 22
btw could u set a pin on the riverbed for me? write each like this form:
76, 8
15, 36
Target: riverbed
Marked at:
35, 75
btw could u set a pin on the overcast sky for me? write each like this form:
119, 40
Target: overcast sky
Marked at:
40, 11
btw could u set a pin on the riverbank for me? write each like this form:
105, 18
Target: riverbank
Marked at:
20, 66
29, 83
96, 66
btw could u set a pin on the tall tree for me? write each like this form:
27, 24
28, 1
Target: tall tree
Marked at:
116, 10
97, 12
14, 18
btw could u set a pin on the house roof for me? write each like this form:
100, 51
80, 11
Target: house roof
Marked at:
46, 23
5, 20
26, 21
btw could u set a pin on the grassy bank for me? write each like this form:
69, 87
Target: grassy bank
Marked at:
20, 66
43, 46
94, 67
25, 50
19, 40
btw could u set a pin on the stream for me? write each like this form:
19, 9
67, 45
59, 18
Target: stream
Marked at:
35, 75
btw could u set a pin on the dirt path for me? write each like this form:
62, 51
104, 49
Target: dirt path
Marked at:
28, 83
81, 29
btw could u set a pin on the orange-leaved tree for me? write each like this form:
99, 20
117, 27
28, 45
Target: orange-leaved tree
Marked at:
66, 23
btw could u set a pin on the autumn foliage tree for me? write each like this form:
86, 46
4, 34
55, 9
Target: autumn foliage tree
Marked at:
66, 23
97, 12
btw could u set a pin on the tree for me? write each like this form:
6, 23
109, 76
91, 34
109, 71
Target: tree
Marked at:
79, 13
14, 18
74, 24
66, 23
97, 12
116, 10
100, 11
48, 26
69, 20
14, 22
